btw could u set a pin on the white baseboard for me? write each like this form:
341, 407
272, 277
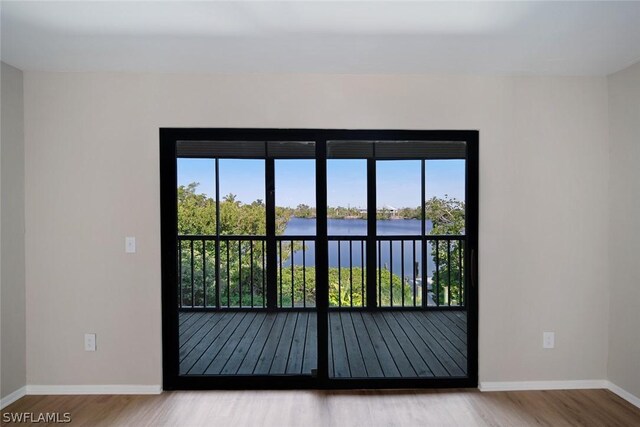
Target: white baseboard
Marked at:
94, 389
634, 400
541, 385
12, 397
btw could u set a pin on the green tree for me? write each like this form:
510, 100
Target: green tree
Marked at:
241, 266
304, 211
242, 263
345, 287
447, 216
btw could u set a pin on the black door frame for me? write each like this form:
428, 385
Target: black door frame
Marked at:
321, 380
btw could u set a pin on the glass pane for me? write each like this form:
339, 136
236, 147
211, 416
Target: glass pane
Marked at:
445, 215
242, 197
399, 197
445, 196
295, 216
196, 216
196, 196
347, 197
295, 182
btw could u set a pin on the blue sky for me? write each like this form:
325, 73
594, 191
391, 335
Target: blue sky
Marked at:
398, 181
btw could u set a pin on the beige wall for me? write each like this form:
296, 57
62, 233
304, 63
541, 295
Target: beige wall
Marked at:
12, 251
624, 243
92, 178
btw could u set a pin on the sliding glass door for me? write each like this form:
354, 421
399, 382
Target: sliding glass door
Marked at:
318, 258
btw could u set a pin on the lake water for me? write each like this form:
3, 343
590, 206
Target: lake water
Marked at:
352, 253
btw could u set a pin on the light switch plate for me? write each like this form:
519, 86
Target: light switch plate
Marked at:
130, 245
548, 339
89, 342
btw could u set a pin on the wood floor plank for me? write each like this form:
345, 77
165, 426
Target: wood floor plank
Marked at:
356, 360
268, 352
440, 337
451, 326
241, 351
455, 320
239, 408
194, 327
294, 364
435, 325
452, 360
371, 362
397, 355
419, 365
228, 349
193, 348
187, 323
184, 316
250, 360
461, 314
340, 356
281, 356
432, 361
216, 345
387, 363
310, 360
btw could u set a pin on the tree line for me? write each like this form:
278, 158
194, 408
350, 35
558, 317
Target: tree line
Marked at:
242, 263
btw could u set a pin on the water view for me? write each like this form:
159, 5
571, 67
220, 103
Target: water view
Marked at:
352, 253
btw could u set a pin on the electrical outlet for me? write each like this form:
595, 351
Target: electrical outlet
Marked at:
89, 342
548, 339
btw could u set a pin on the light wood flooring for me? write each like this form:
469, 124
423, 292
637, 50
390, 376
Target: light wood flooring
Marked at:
341, 408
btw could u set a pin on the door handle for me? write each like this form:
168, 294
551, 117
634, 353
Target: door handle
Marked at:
474, 268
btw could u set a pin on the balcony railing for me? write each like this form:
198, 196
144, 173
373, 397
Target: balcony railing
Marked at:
218, 272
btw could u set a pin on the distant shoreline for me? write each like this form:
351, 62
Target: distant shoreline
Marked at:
350, 218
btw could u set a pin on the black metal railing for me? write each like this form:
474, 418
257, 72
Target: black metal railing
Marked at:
231, 271
416, 272
296, 271
225, 271
347, 271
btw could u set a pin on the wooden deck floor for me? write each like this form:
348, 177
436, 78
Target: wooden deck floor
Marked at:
362, 344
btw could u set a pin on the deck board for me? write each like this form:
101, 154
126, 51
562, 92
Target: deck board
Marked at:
310, 358
444, 351
371, 362
397, 354
218, 344
339, 348
248, 364
281, 356
384, 356
356, 360
271, 344
296, 355
362, 344
232, 365
229, 347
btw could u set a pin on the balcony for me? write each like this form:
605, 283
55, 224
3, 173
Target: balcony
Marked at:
417, 328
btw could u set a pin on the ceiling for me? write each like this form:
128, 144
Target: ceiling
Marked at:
512, 38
